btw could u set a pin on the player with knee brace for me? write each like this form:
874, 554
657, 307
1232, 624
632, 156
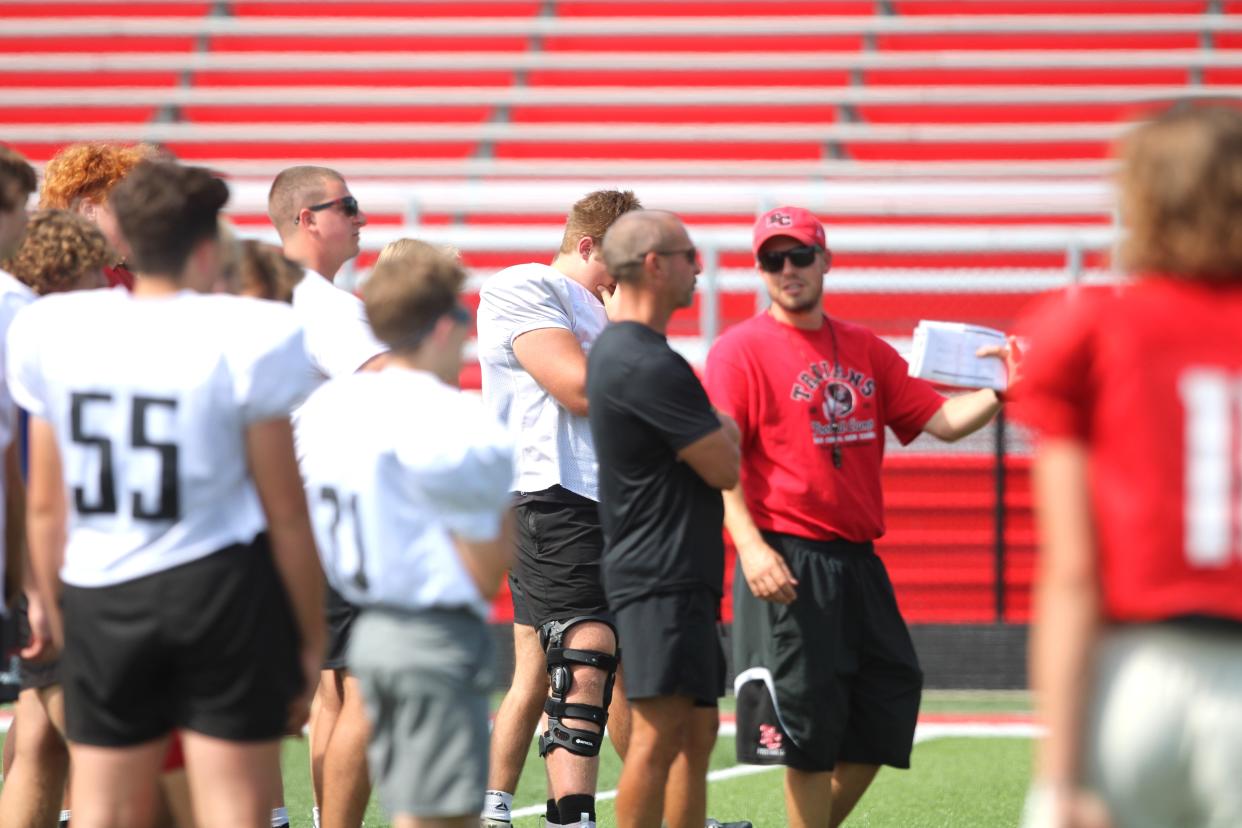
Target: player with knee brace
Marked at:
536, 323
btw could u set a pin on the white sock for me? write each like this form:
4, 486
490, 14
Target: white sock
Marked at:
498, 805
64, 816
280, 817
315, 816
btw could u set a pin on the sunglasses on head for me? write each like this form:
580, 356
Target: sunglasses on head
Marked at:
774, 260
349, 206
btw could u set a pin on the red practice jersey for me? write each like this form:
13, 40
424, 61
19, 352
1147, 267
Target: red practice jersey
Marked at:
1149, 378
792, 404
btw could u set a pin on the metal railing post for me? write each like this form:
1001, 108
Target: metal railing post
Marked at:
709, 300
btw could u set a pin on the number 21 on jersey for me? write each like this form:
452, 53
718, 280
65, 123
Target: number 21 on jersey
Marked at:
1212, 401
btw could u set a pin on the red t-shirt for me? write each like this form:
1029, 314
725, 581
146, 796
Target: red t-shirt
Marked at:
1149, 378
781, 386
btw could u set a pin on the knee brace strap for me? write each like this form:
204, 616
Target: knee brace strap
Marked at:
576, 740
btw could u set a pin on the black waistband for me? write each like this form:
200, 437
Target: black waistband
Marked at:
836, 546
553, 494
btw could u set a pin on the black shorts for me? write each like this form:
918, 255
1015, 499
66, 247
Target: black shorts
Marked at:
10, 643
672, 646
559, 546
209, 646
340, 615
839, 660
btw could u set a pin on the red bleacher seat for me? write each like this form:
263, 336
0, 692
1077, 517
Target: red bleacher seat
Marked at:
293, 149
23, 8
978, 151
699, 150
1051, 113
1057, 7
1030, 41
367, 78
105, 44
412, 10
76, 115
680, 114
334, 113
367, 43
20, 79
705, 8
658, 43
1028, 76
637, 76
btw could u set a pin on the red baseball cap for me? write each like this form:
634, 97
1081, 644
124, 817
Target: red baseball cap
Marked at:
794, 222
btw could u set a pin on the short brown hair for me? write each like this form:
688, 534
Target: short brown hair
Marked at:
405, 295
1181, 194
263, 271
294, 189
81, 171
594, 213
164, 209
17, 178
60, 249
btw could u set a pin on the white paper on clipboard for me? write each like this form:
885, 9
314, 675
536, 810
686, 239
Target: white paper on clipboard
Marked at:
944, 353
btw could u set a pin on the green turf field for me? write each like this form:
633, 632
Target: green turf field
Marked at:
975, 782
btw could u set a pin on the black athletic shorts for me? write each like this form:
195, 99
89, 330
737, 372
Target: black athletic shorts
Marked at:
36, 675
340, 615
10, 643
839, 660
209, 646
559, 546
672, 646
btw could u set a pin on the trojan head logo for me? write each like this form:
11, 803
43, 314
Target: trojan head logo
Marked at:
838, 400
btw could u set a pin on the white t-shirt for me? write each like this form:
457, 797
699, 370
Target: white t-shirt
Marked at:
387, 497
150, 400
553, 445
13, 297
338, 336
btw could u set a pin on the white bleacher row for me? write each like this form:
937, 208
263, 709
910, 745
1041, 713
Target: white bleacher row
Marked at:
1073, 242
611, 96
909, 199
543, 26
320, 61
565, 133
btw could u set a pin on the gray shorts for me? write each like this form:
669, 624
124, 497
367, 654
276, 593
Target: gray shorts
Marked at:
425, 678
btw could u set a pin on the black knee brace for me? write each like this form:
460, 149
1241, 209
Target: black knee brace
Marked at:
575, 740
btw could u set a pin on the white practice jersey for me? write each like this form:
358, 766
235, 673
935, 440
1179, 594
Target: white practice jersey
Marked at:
553, 445
150, 400
339, 340
13, 297
396, 464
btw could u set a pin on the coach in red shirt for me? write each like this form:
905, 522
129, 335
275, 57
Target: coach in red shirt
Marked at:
828, 681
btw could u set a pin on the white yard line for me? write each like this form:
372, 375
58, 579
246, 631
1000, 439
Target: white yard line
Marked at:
923, 733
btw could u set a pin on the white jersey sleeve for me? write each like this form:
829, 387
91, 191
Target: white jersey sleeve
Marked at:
269, 365
512, 307
13, 297
22, 365
338, 336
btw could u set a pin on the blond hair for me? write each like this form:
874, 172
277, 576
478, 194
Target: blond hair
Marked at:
405, 294
1180, 185
593, 214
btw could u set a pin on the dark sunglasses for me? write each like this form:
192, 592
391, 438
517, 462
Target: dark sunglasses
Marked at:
801, 256
349, 206
691, 253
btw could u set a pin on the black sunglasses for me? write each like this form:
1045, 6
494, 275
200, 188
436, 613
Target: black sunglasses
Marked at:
691, 253
774, 260
349, 206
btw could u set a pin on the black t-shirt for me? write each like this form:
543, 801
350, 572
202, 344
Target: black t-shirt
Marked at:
662, 523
